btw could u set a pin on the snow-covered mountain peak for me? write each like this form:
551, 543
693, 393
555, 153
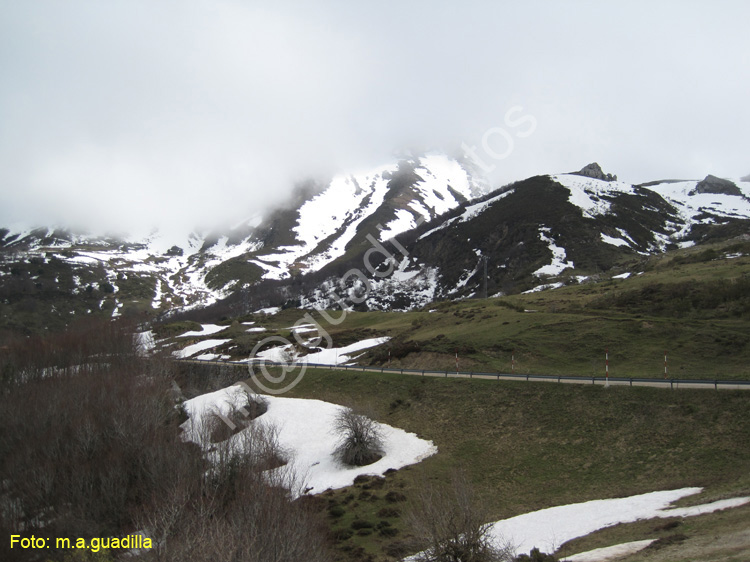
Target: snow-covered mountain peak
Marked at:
395, 197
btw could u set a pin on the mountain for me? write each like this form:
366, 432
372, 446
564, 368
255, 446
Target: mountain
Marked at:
547, 231
49, 275
396, 237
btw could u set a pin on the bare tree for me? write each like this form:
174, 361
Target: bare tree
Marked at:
90, 446
452, 526
361, 439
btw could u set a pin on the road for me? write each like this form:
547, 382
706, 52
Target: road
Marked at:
674, 384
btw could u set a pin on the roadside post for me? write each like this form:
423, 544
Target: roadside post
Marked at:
606, 368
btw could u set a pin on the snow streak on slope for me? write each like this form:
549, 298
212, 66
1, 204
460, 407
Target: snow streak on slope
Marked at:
346, 202
469, 213
329, 222
197, 347
558, 264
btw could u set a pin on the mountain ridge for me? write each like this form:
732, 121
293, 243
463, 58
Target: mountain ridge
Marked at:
539, 232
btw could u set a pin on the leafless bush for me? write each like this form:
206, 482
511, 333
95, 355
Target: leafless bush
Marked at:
452, 527
238, 510
95, 451
361, 440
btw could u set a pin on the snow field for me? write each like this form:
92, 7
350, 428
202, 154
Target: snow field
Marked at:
305, 434
547, 529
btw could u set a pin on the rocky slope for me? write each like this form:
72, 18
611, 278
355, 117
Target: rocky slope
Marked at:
396, 237
61, 273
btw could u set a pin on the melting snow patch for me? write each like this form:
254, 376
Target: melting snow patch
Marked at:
196, 347
211, 357
337, 356
332, 356
144, 342
546, 287
547, 529
558, 257
156, 302
614, 241
586, 193
404, 221
609, 552
621, 276
206, 330
306, 436
270, 311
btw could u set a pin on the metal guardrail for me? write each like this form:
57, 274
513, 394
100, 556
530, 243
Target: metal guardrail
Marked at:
716, 384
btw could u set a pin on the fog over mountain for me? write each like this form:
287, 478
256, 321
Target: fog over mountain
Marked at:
128, 114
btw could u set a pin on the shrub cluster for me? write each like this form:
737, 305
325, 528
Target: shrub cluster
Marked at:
90, 447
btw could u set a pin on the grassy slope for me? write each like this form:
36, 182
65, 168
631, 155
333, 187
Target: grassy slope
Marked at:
697, 312
527, 446
679, 309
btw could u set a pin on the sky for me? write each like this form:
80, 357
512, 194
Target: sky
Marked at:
129, 114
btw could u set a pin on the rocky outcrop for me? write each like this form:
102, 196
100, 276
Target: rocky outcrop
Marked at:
746, 178
594, 170
712, 184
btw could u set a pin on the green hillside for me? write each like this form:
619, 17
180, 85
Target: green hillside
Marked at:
693, 304
528, 446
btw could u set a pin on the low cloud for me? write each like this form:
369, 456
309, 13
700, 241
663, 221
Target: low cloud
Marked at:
124, 115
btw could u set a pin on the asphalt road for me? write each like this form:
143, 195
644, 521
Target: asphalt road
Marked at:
674, 384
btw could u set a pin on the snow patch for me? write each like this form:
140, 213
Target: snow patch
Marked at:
305, 434
548, 528
196, 347
558, 264
588, 193
609, 552
614, 241
206, 330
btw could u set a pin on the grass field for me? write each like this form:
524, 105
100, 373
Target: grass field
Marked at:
527, 446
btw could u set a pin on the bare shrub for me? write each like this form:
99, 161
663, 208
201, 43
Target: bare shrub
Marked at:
452, 527
90, 447
361, 439
238, 510
220, 427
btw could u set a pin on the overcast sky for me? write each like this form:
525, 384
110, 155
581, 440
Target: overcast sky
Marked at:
124, 113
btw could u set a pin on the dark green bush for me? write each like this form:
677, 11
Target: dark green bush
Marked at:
336, 511
394, 497
339, 535
389, 512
